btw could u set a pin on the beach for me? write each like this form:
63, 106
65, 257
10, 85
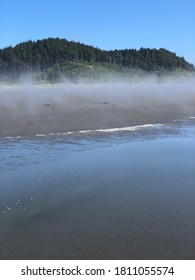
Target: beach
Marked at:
97, 178
112, 198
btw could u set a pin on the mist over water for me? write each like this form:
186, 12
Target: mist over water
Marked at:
29, 109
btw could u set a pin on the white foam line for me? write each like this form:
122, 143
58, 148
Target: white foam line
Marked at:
104, 130
11, 137
117, 129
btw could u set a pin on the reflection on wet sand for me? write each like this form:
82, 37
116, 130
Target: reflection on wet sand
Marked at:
116, 197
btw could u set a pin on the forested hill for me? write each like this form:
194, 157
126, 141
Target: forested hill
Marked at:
49, 59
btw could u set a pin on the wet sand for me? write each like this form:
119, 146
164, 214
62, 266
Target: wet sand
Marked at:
116, 199
31, 110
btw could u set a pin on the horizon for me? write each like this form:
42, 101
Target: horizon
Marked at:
106, 25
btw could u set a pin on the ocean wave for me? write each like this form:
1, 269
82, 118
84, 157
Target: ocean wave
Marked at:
119, 129
88, 131
101, 130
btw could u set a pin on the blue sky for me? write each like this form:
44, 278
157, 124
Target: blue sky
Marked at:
107, 24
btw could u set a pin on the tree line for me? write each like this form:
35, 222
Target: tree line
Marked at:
41, 56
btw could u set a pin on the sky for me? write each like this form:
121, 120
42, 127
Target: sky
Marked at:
106, 24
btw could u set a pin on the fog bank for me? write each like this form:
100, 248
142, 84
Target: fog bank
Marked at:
28, 109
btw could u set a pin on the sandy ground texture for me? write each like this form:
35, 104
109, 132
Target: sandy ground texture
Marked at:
28, 110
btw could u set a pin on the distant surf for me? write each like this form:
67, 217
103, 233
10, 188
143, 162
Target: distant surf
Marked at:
133, 128
110, 130
91, 131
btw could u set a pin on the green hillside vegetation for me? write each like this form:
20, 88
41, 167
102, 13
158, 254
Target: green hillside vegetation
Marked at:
55, 59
